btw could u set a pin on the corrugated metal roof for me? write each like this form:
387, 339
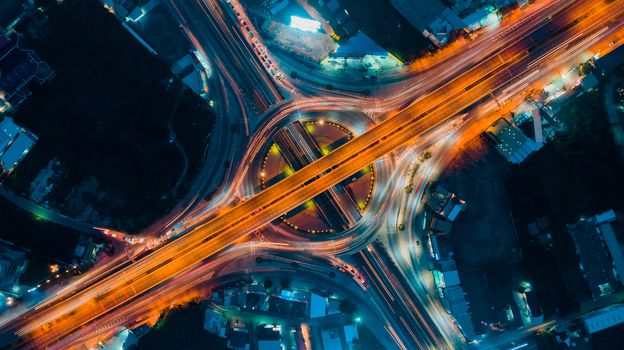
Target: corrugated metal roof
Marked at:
608, 318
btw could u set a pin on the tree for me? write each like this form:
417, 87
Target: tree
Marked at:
268, 283
346, 307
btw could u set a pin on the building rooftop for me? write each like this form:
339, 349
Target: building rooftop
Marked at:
510, 142
214, 323
18, 66
419, 13
360, 45
8, 130
440, 226
15, 143
15, 68
350, 333
269, 338
318, 305
17, 151
605, 318
238, 338
445, 204
455, 301
331, 339
593, 257
612, 60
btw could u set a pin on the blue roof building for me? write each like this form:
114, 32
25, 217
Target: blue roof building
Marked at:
360, 45
15, 143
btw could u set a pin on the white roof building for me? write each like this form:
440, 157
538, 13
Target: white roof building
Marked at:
510, 142
605, 318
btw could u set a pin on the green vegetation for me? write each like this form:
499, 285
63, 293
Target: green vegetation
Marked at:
181, 329
285, 283
367, 341
105, 116
346, 307
578, 174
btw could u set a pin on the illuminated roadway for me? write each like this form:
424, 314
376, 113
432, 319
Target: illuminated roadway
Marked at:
469, 88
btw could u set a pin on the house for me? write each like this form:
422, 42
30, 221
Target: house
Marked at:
445, 204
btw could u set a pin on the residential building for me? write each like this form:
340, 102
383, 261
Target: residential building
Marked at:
19, 66
445, 204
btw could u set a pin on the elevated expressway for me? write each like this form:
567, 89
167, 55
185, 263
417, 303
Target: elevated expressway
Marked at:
46, 325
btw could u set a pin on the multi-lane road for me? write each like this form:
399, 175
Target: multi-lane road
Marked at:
532, 51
